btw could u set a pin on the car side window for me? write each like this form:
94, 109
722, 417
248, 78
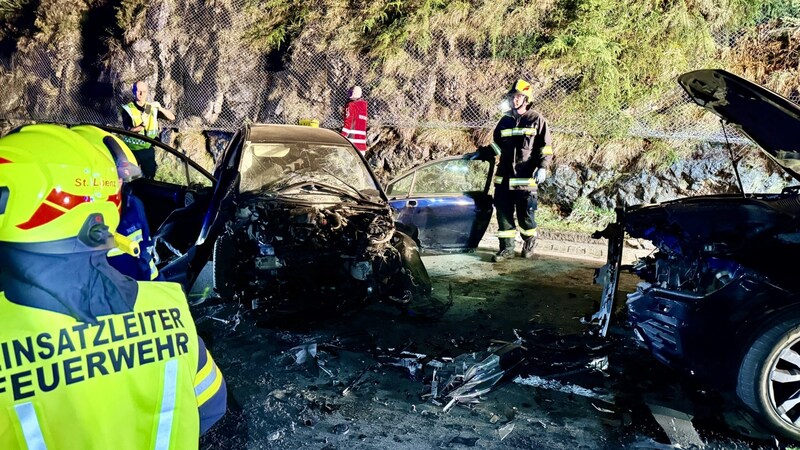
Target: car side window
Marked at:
401, 187
174, 170
170, 169
453, 176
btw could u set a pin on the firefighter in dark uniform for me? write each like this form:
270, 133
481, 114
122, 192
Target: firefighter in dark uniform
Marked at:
522, 141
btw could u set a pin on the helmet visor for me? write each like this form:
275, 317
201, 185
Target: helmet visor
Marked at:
127, 169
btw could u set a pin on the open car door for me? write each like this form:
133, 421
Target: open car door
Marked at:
445, 203
176, 202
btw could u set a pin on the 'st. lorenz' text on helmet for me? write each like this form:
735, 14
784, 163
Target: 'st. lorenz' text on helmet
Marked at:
522, 87
59, 193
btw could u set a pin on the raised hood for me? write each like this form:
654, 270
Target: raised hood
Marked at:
768, 119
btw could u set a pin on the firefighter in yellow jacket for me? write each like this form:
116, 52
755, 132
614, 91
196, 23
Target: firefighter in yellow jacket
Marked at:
522, 141
89, 358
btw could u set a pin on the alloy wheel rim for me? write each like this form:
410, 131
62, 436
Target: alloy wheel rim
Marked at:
784, 383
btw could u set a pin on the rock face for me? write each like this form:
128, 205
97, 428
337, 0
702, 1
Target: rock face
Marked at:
78, 64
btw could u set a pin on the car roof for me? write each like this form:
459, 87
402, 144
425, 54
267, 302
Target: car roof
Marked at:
260, 132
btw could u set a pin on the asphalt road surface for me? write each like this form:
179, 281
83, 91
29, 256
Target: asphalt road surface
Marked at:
342, 381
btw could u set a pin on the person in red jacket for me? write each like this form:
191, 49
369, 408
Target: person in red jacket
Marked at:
355, 119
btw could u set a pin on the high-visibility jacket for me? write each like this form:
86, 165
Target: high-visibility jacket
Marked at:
127, 382
524, 144
133, 225
149, 121
355, 123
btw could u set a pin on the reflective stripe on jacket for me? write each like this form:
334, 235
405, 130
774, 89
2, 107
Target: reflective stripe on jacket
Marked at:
355, 123
150, 122
127, 382
524, 144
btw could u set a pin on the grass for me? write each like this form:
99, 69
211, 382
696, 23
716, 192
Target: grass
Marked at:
10, 9
584, 217
658, 155
276, 23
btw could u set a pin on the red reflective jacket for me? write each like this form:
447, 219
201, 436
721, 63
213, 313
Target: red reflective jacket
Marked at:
355, 123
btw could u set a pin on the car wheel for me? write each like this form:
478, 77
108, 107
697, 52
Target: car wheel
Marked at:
769, 377
224, 253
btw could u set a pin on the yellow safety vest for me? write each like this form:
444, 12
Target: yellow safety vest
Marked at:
150, 122
127, 382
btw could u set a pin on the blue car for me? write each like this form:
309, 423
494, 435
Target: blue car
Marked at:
445, 204
720, 298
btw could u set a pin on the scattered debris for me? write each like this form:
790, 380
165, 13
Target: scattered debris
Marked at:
341, 428
505, 430
651, 444
276, 435
304, 353
280, 394
555, 385
605, 410
357, 381
407, 360
678, 426
471, 375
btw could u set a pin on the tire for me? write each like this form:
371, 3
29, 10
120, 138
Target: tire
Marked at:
223, 257
766, 383
415, 275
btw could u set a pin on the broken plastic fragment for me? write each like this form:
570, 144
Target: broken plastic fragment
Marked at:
505, 430
535, 381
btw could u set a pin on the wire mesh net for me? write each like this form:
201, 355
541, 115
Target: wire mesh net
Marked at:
215, 83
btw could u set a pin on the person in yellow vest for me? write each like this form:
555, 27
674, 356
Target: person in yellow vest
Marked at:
89, 358
141, 116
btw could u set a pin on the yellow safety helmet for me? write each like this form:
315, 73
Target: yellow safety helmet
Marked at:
58, 193
127, 169
522, 87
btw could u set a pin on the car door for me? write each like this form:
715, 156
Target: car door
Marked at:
176, 202
445, 202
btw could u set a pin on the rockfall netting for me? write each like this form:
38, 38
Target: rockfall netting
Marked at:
197, 65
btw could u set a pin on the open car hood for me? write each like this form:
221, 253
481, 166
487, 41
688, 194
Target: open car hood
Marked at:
768, 119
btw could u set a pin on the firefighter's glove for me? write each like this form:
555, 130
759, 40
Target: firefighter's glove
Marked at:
539, 175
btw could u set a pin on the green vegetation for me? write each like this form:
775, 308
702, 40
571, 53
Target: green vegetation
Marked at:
584, 217
388, 25
10, 9
130, 15
612, 58
276, 23
659, 155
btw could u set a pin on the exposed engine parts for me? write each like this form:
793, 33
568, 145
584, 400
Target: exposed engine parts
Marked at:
295, 255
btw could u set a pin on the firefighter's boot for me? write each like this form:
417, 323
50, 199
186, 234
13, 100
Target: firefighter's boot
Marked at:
503, 254
527, 247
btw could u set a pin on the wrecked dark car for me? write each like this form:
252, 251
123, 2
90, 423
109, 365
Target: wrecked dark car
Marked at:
292, 220
308, 226
720, 298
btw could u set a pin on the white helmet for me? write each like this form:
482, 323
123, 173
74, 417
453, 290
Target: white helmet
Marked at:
354, 92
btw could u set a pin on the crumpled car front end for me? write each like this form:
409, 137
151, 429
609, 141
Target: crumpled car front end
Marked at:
720, 298
719, 264
294, 256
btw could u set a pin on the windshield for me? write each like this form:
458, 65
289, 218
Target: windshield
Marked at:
274, 166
